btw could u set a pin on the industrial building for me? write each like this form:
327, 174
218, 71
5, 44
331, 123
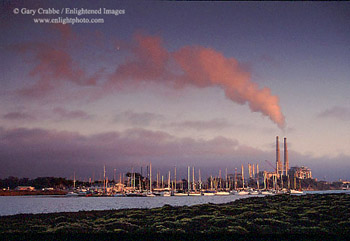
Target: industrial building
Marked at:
300, 172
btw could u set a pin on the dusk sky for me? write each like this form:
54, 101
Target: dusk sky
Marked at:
204, 84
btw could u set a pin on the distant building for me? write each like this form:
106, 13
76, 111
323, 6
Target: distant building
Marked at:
345, 184
48, 189
267, 175
25, 188
344, 181
300, 172
120, 187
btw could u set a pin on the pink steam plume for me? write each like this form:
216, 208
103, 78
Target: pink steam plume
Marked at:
196, 66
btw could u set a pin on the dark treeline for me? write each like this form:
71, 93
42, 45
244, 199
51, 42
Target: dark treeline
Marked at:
38, 183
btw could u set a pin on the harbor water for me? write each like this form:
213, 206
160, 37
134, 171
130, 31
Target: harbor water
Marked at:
10, 205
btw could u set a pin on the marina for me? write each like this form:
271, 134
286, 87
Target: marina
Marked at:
283, 180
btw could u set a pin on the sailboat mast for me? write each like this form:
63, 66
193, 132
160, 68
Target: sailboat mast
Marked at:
235, 178
257, 176
134, 175
140, 183
169, 187
132, 178
175, 179
226, 178
74, 181
150, 177
199, 179
242, 176
193, 180
104, 178
188, 179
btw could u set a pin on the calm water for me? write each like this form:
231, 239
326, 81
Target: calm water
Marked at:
50, 204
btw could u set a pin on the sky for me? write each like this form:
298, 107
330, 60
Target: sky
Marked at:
204, 84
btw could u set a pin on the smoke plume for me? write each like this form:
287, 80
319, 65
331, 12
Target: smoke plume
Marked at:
195, 66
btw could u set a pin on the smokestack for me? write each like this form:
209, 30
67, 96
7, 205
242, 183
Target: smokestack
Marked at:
279, 170
286, 161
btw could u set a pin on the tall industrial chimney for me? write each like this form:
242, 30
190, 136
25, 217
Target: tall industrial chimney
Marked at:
286, 161
279, 170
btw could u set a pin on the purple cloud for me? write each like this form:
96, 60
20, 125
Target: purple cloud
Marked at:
138, 119
39, 152
35, 152
215, 124
17, 115
68, 115
336, 112
54, 64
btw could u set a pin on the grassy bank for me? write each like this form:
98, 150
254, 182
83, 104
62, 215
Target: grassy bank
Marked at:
282, 214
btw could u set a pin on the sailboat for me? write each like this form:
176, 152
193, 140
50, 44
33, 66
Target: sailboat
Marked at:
72, 194
166, 194
292, 191
222, 193
180, 194
253, 192
243, 192
209, 193
266, 192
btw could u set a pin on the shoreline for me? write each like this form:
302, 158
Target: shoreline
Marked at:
319, 214
31, 193
63, 193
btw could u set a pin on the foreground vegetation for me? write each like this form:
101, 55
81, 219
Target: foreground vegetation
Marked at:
326, 214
